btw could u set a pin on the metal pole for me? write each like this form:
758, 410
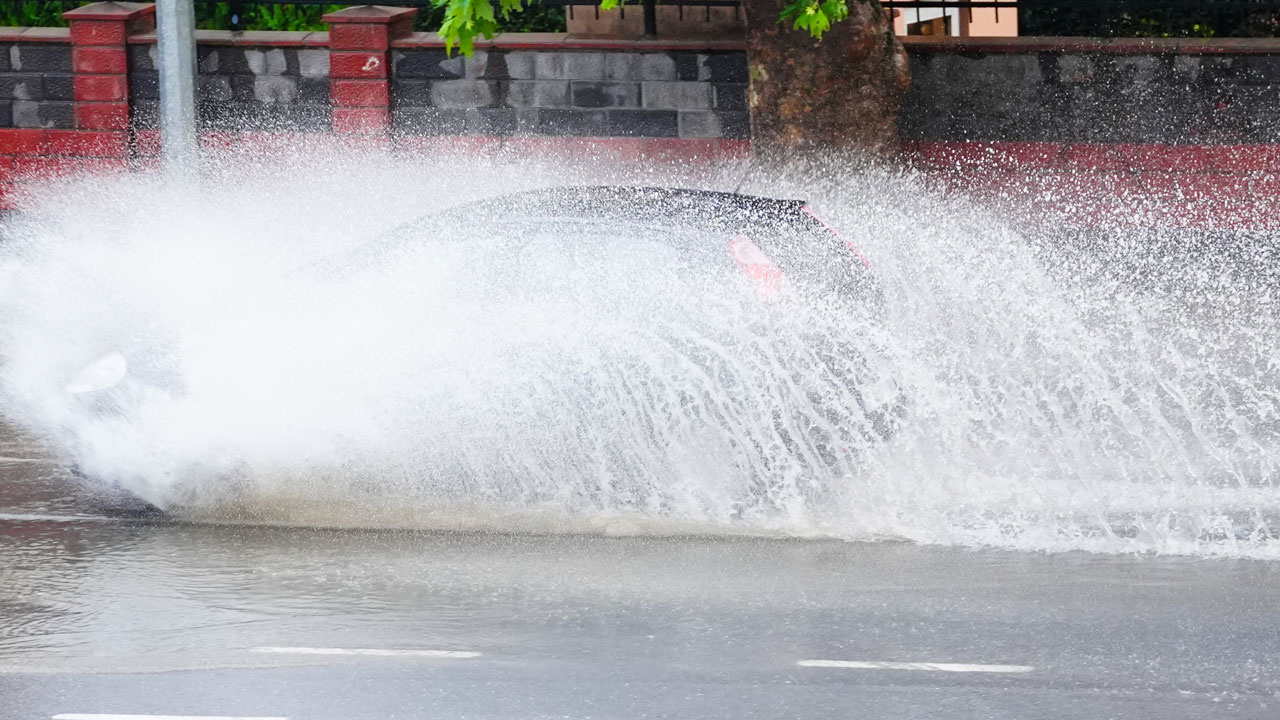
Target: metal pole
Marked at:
176, 41
650, 18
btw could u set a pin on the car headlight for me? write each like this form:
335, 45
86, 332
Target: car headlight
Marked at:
104, 373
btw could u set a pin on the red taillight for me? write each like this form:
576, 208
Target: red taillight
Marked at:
759, 269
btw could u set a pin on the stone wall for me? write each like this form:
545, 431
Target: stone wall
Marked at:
242, 88
1061, 90
36, 89
570, 92
1098, 91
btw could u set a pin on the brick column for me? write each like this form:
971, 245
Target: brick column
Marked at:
359, 66
99, 59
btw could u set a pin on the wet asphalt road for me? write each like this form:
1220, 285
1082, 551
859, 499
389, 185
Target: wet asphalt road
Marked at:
105, 615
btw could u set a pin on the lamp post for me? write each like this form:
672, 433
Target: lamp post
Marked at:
176, 45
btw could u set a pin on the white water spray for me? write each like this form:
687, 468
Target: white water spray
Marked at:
517, 382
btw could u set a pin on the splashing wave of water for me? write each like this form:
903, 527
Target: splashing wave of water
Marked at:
1061, 396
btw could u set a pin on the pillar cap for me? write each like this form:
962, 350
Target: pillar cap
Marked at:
369, 15
122, 11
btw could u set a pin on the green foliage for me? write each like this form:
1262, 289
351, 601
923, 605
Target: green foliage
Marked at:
815, 16
466, 19
35, 13
535, 18
217, 16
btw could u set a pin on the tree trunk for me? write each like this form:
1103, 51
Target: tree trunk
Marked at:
838, 94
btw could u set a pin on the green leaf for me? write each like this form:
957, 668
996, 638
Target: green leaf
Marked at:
814, 16
464, 20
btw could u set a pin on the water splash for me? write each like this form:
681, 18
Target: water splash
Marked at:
1062, 395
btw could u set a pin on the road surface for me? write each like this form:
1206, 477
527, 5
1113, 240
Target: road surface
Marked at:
109, 616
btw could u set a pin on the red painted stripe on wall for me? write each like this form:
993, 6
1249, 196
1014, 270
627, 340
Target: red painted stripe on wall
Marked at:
1171, 186
1012, 155
1121, 185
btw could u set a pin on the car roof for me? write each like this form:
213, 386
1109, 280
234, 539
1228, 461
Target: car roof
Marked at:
660, 206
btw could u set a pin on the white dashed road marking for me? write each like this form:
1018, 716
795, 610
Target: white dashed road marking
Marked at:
372, 652
38, 517
932, 667
97, 716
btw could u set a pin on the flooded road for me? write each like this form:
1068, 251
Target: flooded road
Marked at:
111, 615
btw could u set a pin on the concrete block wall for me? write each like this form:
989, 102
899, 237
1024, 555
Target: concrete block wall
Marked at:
1148, 132
36, 88
85, 98
67, 96
1094, 91
598, 93
282, 87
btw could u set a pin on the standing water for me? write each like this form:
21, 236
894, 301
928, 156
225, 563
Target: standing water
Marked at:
1063, 390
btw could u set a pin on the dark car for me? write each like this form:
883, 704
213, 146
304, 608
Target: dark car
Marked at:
791, 239
780, 247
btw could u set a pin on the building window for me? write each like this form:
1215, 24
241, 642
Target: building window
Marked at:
936, 26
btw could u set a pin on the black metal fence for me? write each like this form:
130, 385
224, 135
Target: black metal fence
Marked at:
1147, 18
1099, 18
1121, 18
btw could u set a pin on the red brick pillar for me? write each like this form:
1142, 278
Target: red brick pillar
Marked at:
359, 66
100, 61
